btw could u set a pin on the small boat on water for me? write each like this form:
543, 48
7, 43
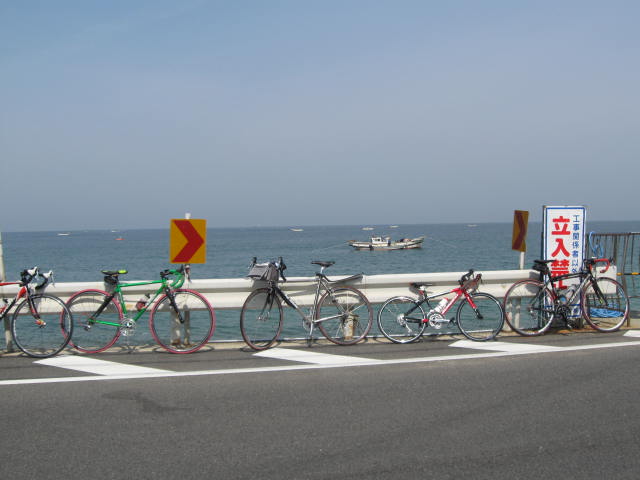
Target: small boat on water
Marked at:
385, 243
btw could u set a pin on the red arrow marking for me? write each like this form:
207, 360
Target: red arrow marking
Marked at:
194, 241
517, 244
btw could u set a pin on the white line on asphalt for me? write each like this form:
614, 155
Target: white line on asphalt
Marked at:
99, 367
232, 371
632, 333
314, 357
505, 346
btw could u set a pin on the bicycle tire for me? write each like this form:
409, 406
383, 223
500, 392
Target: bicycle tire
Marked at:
608, 312
350, 326
393, 324
44, 330
529, 307
196, 330
259, 327
483, 323
91, 336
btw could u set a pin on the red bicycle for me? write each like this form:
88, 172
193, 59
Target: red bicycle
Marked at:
479, 316
41, 325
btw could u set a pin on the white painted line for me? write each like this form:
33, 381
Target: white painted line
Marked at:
234, 371
98, 367
315, 358
505, 346
632, 333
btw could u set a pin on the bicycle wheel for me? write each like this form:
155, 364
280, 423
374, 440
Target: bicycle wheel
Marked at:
528, 307
485, 321
93, 332
199, 321
605, 306
41, 326
400, 319
348, 313
261, 319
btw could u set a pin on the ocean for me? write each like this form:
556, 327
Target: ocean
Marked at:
81, 255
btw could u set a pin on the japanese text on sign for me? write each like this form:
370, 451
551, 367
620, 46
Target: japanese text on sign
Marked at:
564, 239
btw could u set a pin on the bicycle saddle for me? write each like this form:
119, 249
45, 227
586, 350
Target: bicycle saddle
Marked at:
322, 264
114, 273
425, 285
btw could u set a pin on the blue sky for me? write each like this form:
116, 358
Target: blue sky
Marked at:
125, 114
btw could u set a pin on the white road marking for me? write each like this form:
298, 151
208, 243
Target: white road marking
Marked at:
505, 346
632, 333
233, 371
99, 367
315, 358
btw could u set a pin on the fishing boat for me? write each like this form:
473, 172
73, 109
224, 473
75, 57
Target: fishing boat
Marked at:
385, 243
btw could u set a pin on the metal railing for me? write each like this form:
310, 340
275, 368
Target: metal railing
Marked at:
624, 251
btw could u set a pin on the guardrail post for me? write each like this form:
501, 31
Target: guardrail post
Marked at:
7, 326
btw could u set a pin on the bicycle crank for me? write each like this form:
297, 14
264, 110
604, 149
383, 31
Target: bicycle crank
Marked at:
127, 327
436, 320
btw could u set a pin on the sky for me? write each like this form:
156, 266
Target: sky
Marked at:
126, 114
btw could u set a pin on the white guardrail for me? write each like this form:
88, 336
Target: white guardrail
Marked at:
230, 293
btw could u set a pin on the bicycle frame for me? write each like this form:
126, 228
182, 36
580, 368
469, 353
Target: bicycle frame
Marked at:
322, 285
165, 287
459, 292
586, 278
22, 292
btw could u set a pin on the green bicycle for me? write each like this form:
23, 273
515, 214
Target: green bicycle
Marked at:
181, 320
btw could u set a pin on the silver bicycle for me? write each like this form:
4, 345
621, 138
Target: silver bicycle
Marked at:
341, 312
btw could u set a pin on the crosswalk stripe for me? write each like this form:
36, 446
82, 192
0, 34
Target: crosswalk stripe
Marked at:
157, 373
632, 333
314, 357
98, 367
504, 346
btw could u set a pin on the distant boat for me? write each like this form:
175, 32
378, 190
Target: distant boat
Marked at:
64, 234
385, 243
367, 228
393, 226
296, 229
472, 225
119, 238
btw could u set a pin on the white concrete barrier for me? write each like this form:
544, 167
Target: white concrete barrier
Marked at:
230, 293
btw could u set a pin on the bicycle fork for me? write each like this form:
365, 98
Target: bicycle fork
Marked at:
474, 306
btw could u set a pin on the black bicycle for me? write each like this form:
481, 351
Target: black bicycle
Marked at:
532, 305
341, 312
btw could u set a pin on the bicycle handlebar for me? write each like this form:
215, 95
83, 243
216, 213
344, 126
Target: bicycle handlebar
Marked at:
594, 261
281, 268
28, 275
181, 273
465, 277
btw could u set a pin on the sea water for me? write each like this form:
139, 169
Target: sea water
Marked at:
80, 255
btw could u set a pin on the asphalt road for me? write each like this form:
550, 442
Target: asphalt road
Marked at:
566, 407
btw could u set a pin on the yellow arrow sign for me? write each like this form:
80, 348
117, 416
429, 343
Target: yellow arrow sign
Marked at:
188, 241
